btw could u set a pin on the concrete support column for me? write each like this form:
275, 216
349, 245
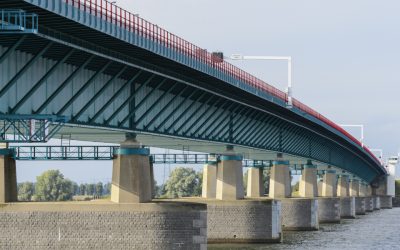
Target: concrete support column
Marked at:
308, 186
255, 185
355, 188
279, 183
363, 189
343, 186
8, 176
230, 176
131, 177
329, 184
209, 187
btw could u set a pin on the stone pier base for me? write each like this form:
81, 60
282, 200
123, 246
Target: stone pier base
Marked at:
376, 201
244, 221
369, 204
328, 210
103, 225
347, 207
300, 214
360, 205
386, 201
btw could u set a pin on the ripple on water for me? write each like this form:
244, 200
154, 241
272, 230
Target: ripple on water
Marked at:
377, 230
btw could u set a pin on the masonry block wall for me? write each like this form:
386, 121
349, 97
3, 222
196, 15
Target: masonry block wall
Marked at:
166, 228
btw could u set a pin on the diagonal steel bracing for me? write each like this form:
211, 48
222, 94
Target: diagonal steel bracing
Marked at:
64, 84
42, 80
219, 121
11, 49
148, 110
119, 109
91, 80
143, 101
156, 116
211, 116
219, 128
184, 112
25, 68
108, 103
170, 115
194, 113
201, 116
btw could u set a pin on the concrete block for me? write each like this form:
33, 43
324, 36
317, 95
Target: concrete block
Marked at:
329, 210
102, 226
386, 201
369, 205
347, 207
376, 201
360, 205
245, 221
300, 214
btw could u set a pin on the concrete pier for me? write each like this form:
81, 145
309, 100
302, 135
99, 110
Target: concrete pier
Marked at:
8, 176
255, 186
354, 188
279, 184
343, 186
329, 209
308, 187
360, 205
347, 207
244, 221
300, 214
230, 176
103, 225
329, 185
131, 175
209, 186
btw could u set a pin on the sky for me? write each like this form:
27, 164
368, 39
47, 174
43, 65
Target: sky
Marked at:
345, 58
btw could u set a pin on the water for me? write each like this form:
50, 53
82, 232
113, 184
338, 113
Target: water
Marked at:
377, 230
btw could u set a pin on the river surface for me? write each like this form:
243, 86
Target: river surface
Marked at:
377, 230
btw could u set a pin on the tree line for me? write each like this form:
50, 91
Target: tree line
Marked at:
53, 186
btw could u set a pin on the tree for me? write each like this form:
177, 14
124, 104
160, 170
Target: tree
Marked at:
107, 188
25, 191
182, 182
397, 187
51, 186
90, 189
99, 189
82, 189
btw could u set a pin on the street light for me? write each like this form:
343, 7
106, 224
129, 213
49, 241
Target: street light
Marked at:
356, 126
285, 58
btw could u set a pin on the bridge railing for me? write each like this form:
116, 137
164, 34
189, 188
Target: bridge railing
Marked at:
111, 13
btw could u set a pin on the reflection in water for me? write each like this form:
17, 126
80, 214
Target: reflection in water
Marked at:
377, 230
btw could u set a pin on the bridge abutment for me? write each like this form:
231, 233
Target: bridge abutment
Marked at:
131, 175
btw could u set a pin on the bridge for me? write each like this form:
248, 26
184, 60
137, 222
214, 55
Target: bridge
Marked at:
93, 71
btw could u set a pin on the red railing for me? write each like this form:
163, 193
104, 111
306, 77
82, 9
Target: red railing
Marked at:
129, 21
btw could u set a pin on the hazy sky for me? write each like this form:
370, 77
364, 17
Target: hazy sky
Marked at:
345, 55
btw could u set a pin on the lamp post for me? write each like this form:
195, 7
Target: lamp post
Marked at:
285, 58
361, 126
